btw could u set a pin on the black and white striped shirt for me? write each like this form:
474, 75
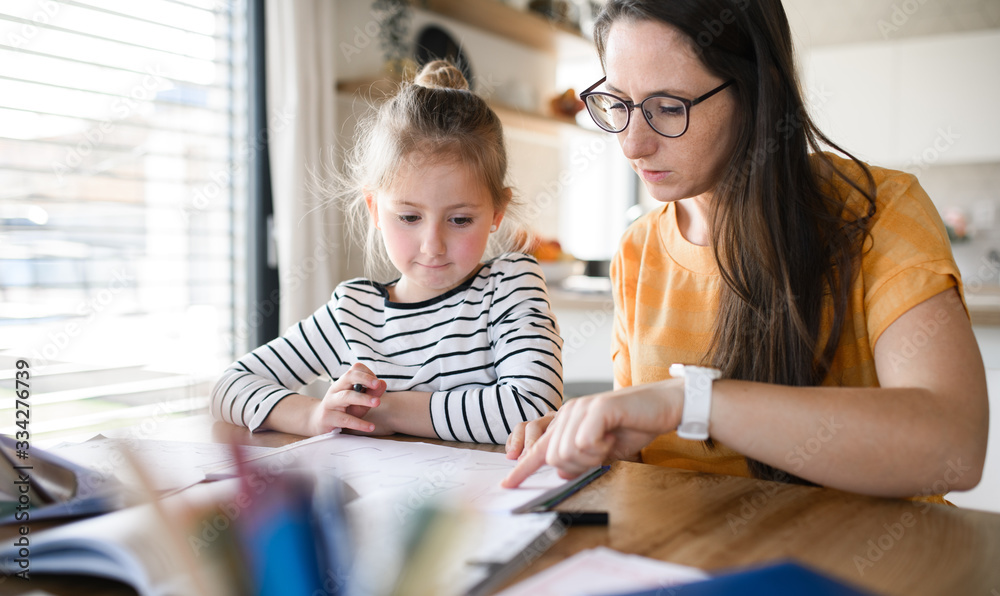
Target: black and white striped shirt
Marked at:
488, 350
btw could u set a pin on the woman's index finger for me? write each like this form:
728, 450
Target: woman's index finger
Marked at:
528, 464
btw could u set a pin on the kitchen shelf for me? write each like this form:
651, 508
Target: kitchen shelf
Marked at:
527, 28
377, 89
984, 305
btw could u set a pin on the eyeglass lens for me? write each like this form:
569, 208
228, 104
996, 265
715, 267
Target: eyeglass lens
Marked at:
666, 115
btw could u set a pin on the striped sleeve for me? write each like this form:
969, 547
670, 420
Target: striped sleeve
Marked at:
250, 388
527, 353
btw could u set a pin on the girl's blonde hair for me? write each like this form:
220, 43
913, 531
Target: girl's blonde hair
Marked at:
433, 119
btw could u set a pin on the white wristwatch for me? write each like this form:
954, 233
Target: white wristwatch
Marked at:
697, 399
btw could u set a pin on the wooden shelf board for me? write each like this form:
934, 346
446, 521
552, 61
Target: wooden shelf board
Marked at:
528, 28
377, 89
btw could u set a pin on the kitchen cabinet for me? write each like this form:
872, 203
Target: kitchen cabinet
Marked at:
586, 322
910, 103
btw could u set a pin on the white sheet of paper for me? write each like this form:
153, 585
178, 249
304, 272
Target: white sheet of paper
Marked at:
170, 464
599, 571
419, 471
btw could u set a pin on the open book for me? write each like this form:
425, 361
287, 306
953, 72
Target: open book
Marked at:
40, 485
125, 545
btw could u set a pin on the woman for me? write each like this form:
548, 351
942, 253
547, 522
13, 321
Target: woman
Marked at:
822, 290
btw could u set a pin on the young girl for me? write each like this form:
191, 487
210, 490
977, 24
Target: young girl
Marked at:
454, 348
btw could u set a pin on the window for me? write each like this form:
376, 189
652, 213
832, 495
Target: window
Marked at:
122, 202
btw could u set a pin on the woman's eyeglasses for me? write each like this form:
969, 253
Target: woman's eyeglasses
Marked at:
666, 114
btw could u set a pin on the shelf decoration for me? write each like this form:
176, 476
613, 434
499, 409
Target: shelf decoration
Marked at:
394, 17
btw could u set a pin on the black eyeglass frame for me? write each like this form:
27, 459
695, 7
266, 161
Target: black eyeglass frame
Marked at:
688, 104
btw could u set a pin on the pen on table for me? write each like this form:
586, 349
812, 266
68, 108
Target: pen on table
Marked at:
583, 518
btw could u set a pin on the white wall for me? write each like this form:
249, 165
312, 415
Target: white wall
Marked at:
986, 496
912, 103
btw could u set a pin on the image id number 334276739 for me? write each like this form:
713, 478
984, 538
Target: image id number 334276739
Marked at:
22, 449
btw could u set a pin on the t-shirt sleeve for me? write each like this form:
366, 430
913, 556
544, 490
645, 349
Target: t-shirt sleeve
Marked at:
908, 258
527, 358
250, 388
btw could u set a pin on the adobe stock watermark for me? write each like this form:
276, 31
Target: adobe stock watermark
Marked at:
876, 547
581, 161
944, 141
222, 178
911, 346
27, 32
753, 504
796, 458
99, 474
989, 266
577, 337
800, 454
899, 15
369, 32
784, 129
291, 281
121, 107
432, 483
537, 548
926, 330
226, 514
89, 309
714, 27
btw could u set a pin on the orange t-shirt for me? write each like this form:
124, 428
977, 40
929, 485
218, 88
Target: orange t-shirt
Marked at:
666, 293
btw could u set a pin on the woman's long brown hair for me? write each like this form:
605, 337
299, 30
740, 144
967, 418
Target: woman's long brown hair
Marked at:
786, 245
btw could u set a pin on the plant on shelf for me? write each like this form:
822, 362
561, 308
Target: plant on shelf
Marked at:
394, 25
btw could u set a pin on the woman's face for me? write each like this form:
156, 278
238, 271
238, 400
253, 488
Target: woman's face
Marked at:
647, 57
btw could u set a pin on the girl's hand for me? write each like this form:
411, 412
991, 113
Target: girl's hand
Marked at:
525, 434
591, 430
343, 407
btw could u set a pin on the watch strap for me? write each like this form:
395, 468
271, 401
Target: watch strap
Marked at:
697, 399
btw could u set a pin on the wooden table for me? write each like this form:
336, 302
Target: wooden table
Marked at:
714, 522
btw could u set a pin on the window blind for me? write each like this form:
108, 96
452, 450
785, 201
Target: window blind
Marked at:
122, 206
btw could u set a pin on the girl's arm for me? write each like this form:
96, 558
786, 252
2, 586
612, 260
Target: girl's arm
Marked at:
922, 432
252, 386
406, 412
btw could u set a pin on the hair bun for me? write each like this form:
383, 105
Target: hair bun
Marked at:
440, 74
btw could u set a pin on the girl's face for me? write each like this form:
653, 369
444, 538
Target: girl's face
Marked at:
647, 57
435, 221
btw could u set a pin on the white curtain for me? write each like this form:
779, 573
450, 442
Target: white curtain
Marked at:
301, 100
